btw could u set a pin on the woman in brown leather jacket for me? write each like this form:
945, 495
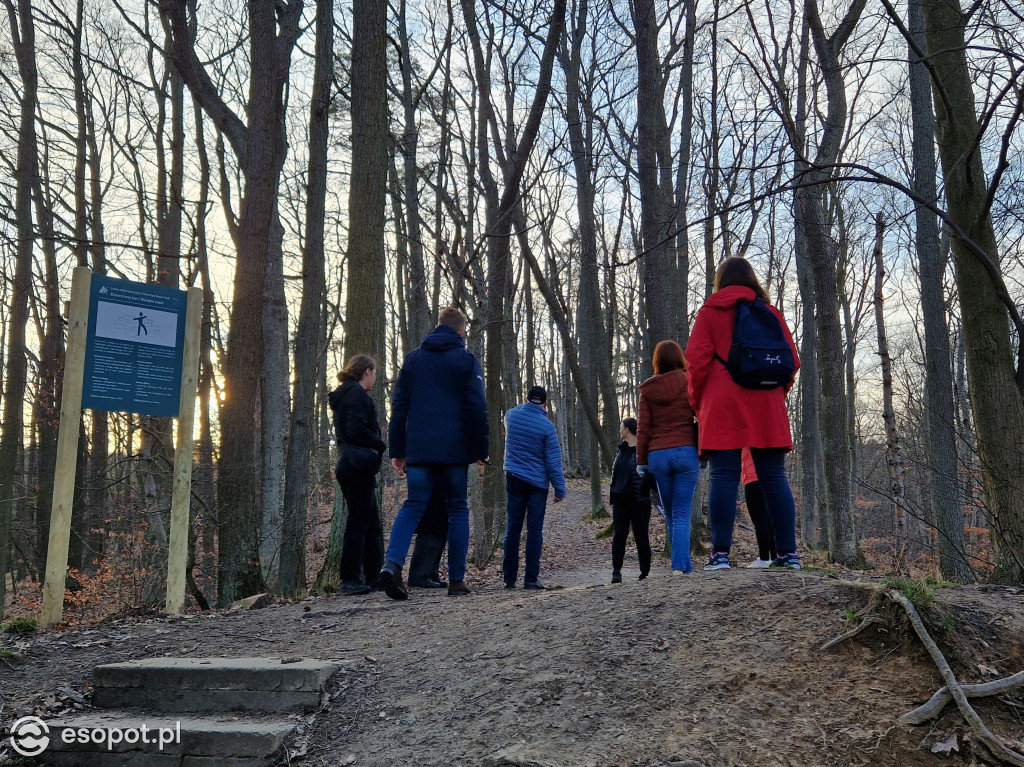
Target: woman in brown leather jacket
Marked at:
667, 445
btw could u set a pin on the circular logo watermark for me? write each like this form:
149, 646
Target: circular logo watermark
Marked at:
30, 736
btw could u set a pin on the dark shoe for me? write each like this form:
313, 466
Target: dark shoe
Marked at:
510, 585
458, 589
391, 580
786, 562
536, 586
643, 577
616, 576
354, 588
719, 560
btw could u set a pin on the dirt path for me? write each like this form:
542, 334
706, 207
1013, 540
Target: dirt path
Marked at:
719, 668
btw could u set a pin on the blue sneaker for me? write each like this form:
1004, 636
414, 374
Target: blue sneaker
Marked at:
786, 562
719, 561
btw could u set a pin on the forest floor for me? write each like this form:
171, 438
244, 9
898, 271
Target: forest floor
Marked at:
711, 668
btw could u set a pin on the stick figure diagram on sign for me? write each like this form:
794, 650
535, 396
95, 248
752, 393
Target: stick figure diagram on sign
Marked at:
124, 322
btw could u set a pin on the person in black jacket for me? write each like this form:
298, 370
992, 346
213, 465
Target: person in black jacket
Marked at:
631, 504
361, 448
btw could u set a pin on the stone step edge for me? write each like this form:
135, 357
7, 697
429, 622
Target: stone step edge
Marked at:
255, 674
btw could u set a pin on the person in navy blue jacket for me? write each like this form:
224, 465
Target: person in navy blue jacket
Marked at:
438, 427
533, 460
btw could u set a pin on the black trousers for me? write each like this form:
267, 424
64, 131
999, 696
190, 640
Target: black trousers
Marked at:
363, 543
638, 516
762, 522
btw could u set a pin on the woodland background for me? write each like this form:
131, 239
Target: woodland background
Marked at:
569, 173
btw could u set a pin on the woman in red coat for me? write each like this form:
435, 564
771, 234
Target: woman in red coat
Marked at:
732, 417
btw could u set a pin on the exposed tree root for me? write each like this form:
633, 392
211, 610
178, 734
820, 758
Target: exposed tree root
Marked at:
871, 619
981, 732
938, 701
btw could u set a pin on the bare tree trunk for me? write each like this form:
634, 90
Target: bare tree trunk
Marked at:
893, 455
590, 324
839, 510
682, 191
811, 459
203, 475
16, 364
364, 318
310, 336
938, 359
260, 147
419, 314
996, 387
661, 278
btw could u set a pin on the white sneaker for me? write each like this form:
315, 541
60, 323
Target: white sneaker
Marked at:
757, 564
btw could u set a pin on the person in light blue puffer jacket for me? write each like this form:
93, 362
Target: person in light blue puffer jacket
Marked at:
533, 461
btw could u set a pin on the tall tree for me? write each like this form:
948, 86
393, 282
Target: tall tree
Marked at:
593, 342
661, 280
260, 147
310, 335
996, 383
22, 29
940, 410
839, 509
365, 327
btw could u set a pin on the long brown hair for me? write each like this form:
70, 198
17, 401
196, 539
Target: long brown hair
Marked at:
738, 271
668, 356
356, 367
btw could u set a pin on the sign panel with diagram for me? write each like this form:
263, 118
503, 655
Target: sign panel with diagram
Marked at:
134, 347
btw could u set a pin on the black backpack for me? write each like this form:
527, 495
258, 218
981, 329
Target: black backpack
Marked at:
760, 357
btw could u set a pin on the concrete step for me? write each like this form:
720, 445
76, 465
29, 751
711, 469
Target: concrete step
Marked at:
212, 684
192, 741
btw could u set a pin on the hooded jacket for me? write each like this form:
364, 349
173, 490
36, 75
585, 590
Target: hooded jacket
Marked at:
665, 418
730, 416
438, 408
355, 417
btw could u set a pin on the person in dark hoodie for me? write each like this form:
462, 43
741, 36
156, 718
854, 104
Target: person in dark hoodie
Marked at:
667, 445
438, 427
631, 505
357, 433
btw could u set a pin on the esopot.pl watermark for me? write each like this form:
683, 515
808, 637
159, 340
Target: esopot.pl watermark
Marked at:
30, 736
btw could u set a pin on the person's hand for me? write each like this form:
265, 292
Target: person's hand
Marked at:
559, 500
399, 465
641, 469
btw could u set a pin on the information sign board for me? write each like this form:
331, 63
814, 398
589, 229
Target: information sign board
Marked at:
134, 347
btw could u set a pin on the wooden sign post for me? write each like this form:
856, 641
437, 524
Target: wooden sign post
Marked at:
134, 348
67, 449
181, 493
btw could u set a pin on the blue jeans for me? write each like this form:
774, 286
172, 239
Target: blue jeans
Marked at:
422, 481
770, 464
524, 502
676, 470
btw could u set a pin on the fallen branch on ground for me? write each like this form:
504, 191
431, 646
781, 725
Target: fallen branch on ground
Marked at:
981, 732
942, 696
